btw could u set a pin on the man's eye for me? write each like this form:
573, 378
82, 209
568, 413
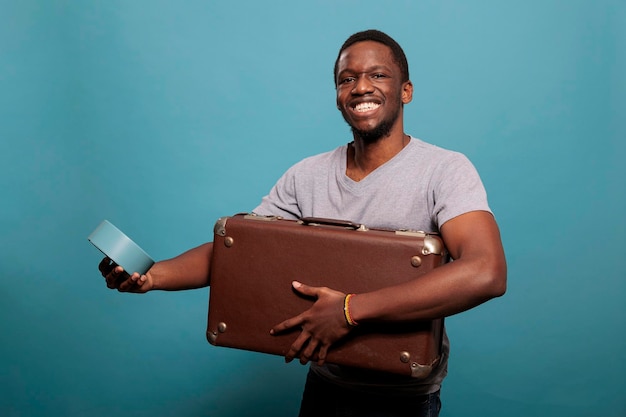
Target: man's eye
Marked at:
378, 75
346, 80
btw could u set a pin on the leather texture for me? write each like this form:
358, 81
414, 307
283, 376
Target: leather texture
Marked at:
256, 258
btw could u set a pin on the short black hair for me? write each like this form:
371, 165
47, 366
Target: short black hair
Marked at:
380, 37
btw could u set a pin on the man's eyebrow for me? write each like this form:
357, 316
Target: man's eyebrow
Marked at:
373, 68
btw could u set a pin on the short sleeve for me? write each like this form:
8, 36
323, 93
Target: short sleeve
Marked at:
281, 200
457, 189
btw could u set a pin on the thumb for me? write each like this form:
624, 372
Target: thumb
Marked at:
304, 289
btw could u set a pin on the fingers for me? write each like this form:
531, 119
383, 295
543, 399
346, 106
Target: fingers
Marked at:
321, 356
287, 324
305, 348
115, 277
302, 340
296, 347
308, 351
133, 283
106, 265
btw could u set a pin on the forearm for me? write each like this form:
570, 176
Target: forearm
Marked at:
447, 290
189, 270
477, 274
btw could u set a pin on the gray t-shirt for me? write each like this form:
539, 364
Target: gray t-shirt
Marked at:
420, 188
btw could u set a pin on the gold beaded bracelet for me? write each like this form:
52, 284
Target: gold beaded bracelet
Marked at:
346, 311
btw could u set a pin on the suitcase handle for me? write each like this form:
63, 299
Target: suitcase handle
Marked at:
320, 221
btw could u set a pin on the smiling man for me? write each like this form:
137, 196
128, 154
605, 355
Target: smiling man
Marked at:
383, 178
372, 87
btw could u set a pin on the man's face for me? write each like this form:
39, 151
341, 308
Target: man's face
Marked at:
370, 91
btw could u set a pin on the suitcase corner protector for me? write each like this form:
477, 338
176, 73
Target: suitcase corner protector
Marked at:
212, 333
211, 337
219, 229
420, 371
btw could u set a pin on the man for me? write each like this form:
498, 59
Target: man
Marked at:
383, 178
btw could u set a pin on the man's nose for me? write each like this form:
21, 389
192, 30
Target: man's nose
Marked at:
362, 86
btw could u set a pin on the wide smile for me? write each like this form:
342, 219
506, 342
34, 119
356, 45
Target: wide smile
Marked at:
364, 108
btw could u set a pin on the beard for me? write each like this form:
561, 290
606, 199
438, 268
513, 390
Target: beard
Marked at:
382, 130
376, 133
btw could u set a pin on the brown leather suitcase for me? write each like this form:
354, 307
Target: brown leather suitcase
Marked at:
255, 259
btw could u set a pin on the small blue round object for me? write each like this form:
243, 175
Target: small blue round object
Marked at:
120, 248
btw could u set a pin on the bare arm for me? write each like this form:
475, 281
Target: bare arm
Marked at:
188, 270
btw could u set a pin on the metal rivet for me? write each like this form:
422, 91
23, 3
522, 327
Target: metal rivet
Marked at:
416, 261
228, 241
405, 357
221, 327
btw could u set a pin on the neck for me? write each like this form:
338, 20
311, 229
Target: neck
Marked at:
365, 157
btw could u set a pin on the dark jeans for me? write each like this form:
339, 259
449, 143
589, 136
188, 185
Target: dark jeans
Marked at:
324, 399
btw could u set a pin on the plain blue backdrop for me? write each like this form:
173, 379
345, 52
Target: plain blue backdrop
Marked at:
162, 116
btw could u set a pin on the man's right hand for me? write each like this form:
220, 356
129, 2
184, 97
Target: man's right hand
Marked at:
117, 278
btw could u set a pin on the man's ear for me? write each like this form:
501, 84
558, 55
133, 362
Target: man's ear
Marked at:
407, 92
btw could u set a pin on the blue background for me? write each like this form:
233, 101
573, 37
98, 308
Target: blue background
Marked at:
162, 116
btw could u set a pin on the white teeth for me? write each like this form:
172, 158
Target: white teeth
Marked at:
362, 107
